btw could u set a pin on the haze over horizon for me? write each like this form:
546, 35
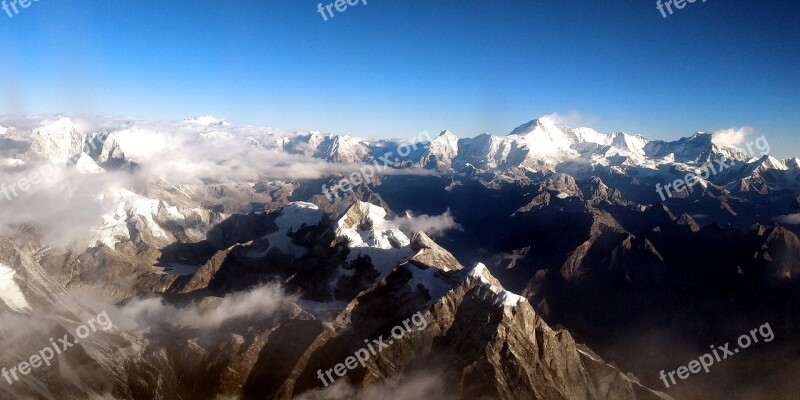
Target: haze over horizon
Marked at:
736, 136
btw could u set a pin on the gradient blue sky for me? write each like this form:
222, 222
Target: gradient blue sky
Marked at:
394, 68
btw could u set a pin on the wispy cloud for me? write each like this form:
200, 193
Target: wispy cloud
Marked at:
571, 119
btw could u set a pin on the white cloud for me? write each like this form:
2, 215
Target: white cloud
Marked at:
259, 302
189, 152
791, 219
418, 386
432, 225
731, 136
63, 201
571, 119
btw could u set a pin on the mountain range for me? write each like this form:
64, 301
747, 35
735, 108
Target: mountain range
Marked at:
545, 262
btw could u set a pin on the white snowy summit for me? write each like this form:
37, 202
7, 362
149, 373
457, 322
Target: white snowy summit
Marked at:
56, 141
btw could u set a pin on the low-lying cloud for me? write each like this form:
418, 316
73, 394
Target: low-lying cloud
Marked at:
60, 200
791, 219
417, 386
433, 226
263, 301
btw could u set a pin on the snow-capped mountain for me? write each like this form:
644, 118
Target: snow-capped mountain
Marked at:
261, 280
57, 141
539, 146
333, 148
441, 152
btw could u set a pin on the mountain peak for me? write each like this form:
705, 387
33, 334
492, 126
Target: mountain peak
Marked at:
57, 141
701, 136
768, 162
544, 137
532, 126
61, 124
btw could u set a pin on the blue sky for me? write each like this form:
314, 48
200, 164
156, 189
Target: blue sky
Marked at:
394, 68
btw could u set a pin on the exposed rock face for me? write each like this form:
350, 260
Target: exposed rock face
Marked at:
35, 313
431, 255
482, 340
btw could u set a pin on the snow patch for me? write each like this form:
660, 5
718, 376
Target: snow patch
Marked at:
10, 292
86, 165
381, 234
130, 206
428, 279
509, 299
177, 269
323, 311
381, 240
293, 217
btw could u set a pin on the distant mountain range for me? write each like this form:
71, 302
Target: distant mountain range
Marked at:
545, 262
